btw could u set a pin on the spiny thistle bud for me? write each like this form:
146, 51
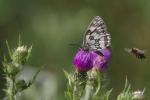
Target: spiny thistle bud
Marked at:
138, 95
11, 68
83, 60
21, 54
22, 49
101, 61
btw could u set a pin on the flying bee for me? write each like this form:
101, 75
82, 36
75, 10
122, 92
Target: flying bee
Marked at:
137, 52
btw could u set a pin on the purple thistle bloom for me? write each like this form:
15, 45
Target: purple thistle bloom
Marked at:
107, 53
83, 60
101, 61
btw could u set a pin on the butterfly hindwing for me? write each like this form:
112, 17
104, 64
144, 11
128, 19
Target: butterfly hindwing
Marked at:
96, 36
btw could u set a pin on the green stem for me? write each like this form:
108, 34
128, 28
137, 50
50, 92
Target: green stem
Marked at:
93, 85
88, 92
76, 92
79, 84
11, 88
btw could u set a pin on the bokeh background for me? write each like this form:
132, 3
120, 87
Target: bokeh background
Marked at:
51, 25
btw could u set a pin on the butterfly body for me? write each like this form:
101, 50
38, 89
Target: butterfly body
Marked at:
96, 36
85, 48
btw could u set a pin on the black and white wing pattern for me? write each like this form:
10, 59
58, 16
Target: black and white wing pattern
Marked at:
97, 37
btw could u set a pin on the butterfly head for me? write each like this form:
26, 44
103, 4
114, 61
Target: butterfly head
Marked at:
85, 48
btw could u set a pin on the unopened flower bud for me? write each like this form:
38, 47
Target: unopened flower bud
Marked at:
21, 54
22, 49
11, 69
138, 95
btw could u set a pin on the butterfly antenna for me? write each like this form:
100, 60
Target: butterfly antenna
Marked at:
74, 44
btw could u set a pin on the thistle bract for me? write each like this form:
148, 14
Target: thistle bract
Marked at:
83, 60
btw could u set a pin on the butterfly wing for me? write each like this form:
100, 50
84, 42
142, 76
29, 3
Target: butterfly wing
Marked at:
97, 37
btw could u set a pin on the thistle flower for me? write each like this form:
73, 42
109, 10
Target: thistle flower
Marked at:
107, 53
83, 60
101, 61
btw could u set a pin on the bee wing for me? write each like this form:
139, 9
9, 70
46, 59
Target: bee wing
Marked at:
128, 50
144, 51
97, 36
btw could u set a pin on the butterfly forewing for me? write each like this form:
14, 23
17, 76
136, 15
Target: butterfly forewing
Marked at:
97, 36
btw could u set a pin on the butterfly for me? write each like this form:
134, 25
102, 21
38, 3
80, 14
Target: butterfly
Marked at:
137, 52
96, 36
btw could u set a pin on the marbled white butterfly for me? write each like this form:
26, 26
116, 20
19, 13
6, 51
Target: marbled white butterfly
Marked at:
96, 37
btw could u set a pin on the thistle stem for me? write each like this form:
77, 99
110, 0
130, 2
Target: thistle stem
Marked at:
76, 92
79, 84
92, 86
88, 92
10, 88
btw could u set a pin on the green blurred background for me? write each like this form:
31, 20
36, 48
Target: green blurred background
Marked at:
51, 25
